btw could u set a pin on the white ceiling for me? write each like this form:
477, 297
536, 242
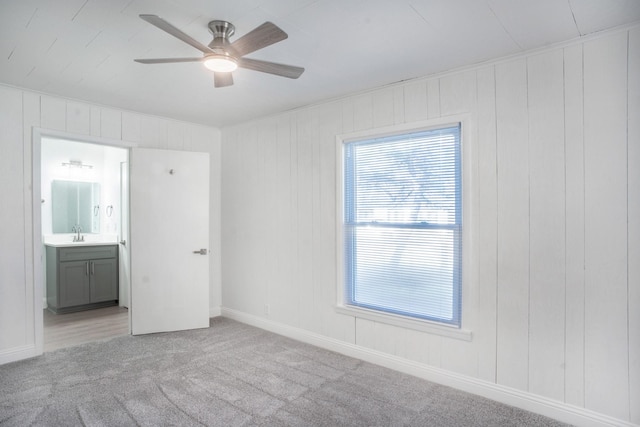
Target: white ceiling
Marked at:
84, 49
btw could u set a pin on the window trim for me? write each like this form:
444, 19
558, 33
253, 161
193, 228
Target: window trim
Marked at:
469, 192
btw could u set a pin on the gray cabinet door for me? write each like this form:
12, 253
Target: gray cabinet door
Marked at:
104, 280
74, 283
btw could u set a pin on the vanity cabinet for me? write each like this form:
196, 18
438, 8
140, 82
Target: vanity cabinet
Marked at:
81, 278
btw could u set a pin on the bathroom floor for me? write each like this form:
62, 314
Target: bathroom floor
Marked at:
66, 330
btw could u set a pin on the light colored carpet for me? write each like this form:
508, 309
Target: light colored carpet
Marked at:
230, 375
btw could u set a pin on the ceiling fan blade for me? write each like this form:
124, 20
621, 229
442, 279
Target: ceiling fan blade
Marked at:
271, 67
165, 26
222, 79
262, 36
167, 60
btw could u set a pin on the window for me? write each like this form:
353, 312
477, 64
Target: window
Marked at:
403, 224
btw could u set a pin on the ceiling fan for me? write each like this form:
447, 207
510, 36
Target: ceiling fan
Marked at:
221, 56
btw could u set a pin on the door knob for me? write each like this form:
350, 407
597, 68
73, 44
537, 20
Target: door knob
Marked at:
123, 242
201, 251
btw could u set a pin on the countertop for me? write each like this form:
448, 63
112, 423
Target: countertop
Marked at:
66, 240
73, 244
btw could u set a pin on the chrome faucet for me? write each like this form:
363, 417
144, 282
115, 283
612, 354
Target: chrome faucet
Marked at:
77, 229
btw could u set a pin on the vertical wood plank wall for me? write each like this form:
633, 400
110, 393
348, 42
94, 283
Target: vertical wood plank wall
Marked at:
20, 111
13, 262
633, 218
605, 196
554, 306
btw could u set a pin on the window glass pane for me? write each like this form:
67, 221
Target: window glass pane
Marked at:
391, 272
411, 180
403, 224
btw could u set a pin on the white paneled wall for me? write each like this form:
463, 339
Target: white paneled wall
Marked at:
22, 110
605, 221
16, 312
554, 303
633, 220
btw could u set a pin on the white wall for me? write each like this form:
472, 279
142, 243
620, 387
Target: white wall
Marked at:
110, 191
554, 306
22, 110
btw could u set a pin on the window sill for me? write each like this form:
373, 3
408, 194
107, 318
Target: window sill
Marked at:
405, 322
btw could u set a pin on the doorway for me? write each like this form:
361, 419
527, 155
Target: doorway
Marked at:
167, 246
95, 216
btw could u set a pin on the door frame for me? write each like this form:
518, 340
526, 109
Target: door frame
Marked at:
36, 219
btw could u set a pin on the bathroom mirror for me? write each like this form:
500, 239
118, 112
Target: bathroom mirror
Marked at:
75, 203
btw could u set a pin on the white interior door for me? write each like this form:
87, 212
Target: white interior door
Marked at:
169, 226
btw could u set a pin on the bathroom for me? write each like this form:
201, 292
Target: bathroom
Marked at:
84, 205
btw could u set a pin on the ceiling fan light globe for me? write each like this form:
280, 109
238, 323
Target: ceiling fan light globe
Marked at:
220, 64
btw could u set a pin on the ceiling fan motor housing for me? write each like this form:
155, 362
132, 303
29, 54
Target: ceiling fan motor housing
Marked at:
221, 31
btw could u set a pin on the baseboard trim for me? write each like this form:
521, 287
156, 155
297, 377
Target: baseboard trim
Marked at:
541, 405
215, 311
18, 353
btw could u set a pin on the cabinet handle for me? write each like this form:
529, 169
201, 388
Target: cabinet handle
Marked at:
87, 265
93, 268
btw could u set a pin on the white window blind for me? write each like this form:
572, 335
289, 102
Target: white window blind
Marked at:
403, 224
